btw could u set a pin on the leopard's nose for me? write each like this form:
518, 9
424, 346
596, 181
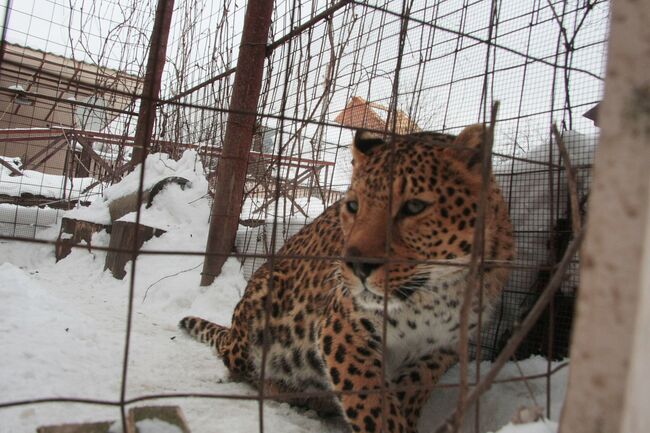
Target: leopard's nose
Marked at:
361, 269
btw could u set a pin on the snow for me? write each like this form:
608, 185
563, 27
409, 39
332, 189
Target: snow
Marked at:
158, 166
529, 187
156, 426
174, 212
97, 213
63, 326
543, 426
41, 184
502, 400
23, 221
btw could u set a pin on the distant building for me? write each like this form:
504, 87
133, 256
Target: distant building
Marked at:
359, 113
40, 90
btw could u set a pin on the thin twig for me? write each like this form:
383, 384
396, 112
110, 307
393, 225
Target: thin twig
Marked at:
167, 276
525, 379
571, 181
475, 264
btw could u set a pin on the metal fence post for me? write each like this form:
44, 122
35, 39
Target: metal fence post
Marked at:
231, 170
153, 74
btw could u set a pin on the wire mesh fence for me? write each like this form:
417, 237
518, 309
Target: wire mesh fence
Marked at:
71, 81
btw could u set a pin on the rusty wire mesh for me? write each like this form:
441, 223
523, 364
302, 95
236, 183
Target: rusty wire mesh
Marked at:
331, 66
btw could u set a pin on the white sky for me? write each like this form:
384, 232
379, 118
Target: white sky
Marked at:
449, 94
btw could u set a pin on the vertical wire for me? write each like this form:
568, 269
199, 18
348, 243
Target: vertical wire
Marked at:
487, 177
432, 32
551, 187
391, 176
478, 249
134, 246
272, 257
459, 46
536, 6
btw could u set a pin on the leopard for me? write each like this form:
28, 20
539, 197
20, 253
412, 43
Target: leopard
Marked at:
358, 314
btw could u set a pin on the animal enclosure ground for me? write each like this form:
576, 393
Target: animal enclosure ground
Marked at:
62, 332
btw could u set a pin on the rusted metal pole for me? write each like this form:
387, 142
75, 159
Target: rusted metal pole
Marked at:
231, 171
5, 24
153, 74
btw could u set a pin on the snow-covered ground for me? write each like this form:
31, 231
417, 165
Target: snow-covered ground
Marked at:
62, 334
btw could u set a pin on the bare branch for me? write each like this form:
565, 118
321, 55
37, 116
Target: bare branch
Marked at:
571, 182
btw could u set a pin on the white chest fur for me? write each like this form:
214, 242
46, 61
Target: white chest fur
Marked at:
426, 321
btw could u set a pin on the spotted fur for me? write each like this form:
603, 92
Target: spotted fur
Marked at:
397, 246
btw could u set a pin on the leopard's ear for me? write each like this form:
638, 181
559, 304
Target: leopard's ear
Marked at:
468, 145
364, 142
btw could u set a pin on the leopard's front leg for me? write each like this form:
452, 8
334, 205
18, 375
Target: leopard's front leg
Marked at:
414, 382
351, 350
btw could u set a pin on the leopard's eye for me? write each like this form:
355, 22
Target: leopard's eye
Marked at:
413, 207
352, 206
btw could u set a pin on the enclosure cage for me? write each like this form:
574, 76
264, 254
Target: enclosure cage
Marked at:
73, 77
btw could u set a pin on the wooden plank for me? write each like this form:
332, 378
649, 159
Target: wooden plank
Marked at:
27, 200
63, 92
72, 232
96, 427
124, 235
50, 151
85, 144
611, 284
156, 414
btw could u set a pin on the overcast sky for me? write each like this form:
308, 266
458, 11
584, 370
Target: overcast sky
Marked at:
441, 76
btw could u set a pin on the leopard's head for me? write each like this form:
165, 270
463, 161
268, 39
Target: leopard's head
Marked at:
409, 217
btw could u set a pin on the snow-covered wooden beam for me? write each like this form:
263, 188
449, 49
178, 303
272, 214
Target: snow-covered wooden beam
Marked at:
156, 418
94, 427
609, 384
140, 419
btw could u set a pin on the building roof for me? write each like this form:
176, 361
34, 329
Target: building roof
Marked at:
359, 113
